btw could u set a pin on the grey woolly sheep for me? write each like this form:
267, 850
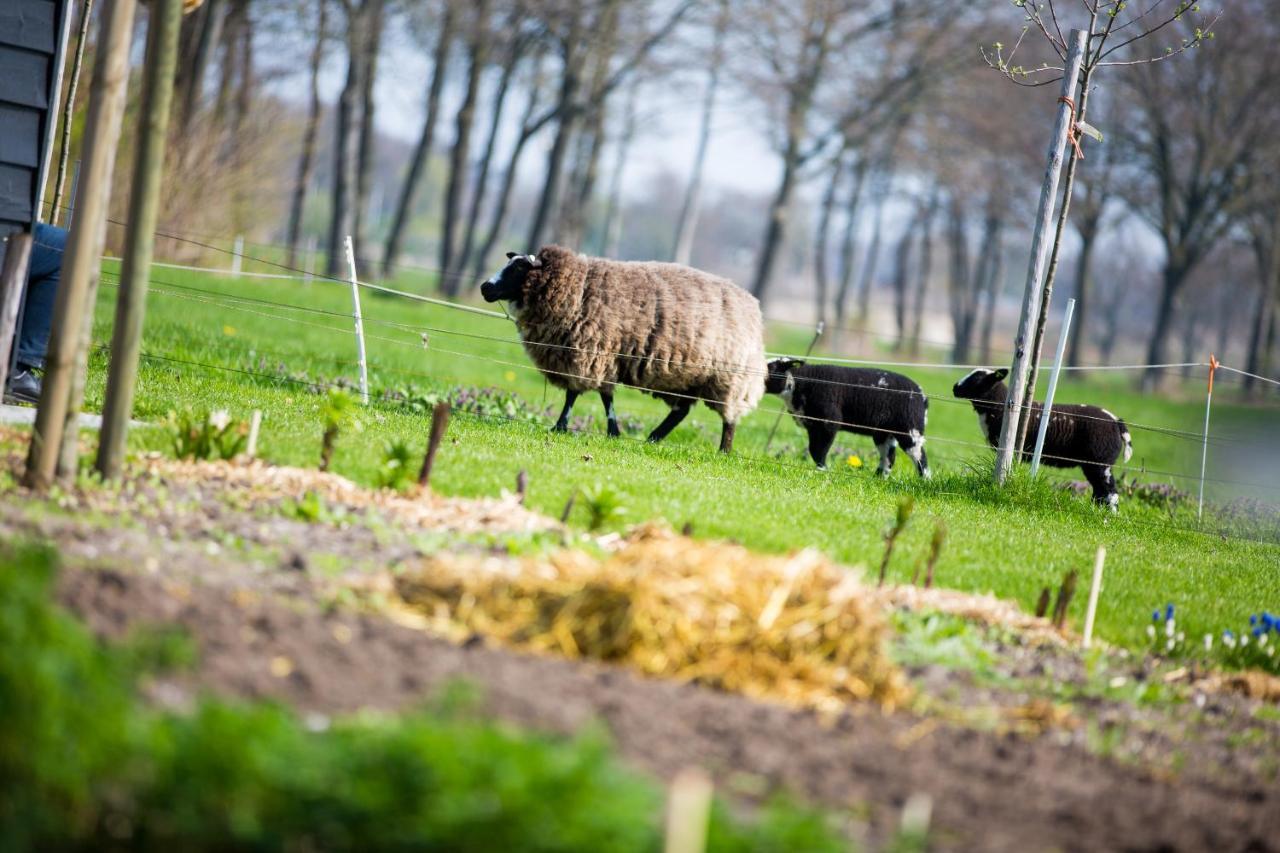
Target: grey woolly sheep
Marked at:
825, 399
590, 324
1088, 436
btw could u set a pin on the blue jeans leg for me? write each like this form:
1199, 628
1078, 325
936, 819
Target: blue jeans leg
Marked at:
42, 288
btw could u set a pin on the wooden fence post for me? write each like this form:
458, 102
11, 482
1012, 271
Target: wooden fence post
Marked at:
13, 280
1204, 450
148, 169
1040, 241
1047, 411
82, 258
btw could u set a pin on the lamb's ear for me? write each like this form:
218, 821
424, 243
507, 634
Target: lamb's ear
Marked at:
510, 255
795, 362
1001, 374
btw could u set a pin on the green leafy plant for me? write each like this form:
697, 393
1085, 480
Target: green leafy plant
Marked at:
214, 435
603, 504
338, 412
396, 471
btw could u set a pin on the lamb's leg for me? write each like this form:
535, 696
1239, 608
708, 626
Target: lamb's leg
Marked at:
821, 437
671, 421
610, 416
1104, 485
888, 452
562, 424
726, 436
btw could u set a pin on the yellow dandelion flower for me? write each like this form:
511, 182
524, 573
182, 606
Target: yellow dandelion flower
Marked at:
855, 461
510, 376
228, 330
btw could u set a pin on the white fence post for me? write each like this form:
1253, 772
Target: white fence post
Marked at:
1204, 448
355, 304
1053, 387
237, 250
1095, 589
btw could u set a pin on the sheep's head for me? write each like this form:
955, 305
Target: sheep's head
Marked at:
508, 283
979, 384
779, 371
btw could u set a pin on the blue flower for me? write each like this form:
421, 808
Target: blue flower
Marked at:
1155, 615
1253, 619
1258, 632
1168, 612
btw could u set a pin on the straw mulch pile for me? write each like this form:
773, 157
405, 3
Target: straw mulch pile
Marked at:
795, 629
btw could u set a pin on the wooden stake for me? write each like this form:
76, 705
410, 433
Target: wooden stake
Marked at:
255, 424
439, 421
1094, 590
13, 280
144, 203
1042, 606
522, 484
688, 810
237, 255
1040, 242
68, 113
81, 260
1066, 592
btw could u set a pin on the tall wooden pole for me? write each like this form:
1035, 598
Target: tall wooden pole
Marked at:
81, 261
68, 112
1040, 241
131, 303
13, 281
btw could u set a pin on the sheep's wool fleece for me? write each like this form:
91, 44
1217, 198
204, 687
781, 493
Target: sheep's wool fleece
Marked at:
590, 323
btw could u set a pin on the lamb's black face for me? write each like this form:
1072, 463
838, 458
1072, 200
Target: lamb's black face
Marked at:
978, 383
776, 381
508, 283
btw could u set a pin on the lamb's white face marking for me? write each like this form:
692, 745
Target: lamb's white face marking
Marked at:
1108, 414
973, 373
882, 382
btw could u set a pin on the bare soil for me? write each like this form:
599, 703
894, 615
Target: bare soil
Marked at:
260, 593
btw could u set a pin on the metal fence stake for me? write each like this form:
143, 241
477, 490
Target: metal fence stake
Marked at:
1053, 387
1204, 448
355, 306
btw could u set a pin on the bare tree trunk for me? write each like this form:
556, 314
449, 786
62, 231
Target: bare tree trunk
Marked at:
868, 279
1088, 237
509, 65
994, 285
229, 37
347, 143
820, 248
848, 249
1175, 275
966, 282
1267, 254
368, 130
901, 278
776, 229
690, 208
461, 153
306, 163
574, 60
207, 23
611, 233
245, 82
422, 152
68, 111
498, 220
924, 273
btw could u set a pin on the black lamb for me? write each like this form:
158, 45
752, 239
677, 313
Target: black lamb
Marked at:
1088, 436
826, 399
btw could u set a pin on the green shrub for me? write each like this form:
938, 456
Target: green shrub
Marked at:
213, 435
85, 764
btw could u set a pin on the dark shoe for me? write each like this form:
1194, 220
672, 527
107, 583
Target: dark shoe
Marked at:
24, 387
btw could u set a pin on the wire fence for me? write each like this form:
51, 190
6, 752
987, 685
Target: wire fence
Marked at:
269, 309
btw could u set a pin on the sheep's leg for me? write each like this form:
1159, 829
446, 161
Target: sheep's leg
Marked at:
913, 443
671, 421
887, 447
562, 424
726, 436
821, 438
610, 415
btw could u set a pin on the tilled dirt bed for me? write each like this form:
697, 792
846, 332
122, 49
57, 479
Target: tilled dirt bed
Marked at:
246, 586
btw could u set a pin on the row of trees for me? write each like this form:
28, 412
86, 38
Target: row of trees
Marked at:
903, 161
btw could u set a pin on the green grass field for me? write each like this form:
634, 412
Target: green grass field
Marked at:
1011, 542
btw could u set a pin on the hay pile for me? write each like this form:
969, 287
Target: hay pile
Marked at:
793, 629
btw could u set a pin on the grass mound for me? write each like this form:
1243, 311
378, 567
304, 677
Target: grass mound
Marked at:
796, 629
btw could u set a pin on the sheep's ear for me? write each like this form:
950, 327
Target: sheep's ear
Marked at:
510, 255
795, 362
1001, 374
